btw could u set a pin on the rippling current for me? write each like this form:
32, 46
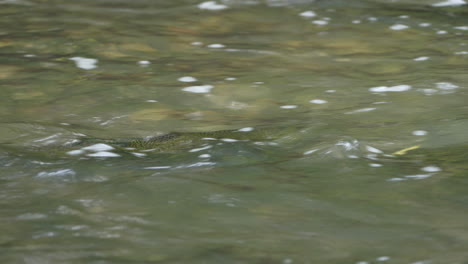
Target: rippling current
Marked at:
364, 104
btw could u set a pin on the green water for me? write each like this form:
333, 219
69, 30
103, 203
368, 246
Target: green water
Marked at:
356, 80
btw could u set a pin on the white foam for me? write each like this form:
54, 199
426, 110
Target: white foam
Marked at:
199, 89
419, 133
103, 154
375, 165
197, 43
396, 179
446, 86
216, 46
383, 258
425, 24
288, 106
157, 168
398, 27
230, 79
421, 58
229, 140
144, 62
31, 216
84, 63
308, 14
63, 172
151, 101
318, 101
462, 28
450, 3
98, 147
397, 88
310, 151
199, 149
418, 176
204, 156
75, 152
362, 110
441, 32
461, 53
246, 129
212, 5
373, 150
320, 22
136, 154
187, 79
431, 169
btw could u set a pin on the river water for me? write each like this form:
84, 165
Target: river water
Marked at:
371, 166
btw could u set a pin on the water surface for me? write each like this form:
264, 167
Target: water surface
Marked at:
371, 170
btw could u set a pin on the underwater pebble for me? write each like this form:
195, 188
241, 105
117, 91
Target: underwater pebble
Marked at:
84, 63
419, 133
431, 169
103, 154
187, 79
198, 89
398, 27
211, 5
308, 14
318, 101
